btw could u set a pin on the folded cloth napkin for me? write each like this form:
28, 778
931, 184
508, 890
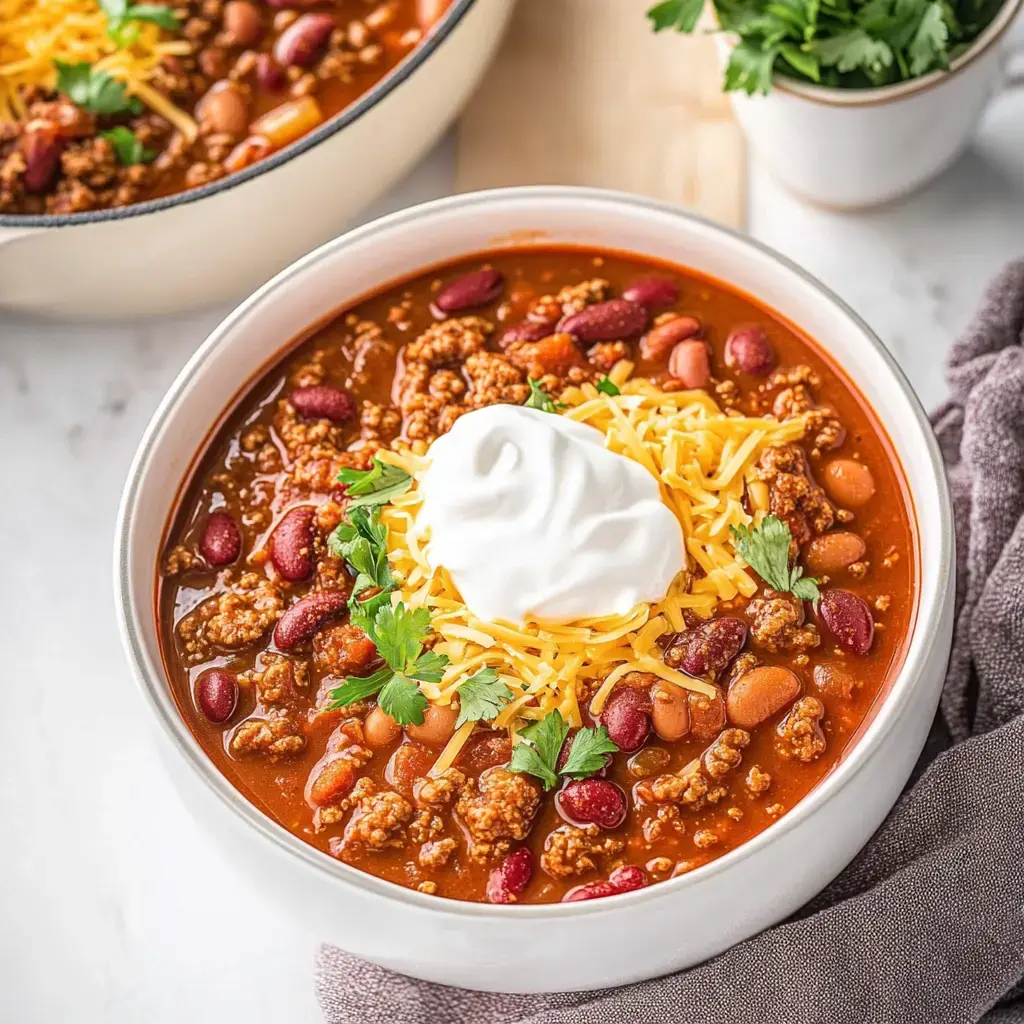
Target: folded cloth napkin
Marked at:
927, 924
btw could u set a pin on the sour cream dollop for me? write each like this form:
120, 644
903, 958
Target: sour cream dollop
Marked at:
536, 520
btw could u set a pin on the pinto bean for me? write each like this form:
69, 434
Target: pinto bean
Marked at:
652, 291
301, 44
627, 717
832, 552
670, 715
242, 23
248, 152
437, 728
509, 879
223, 110
592, 802
834, 680
217, 695
748, 350
380, 728
707, 715
291, 544
758, 694
221, 543
690, 363
306, 616
659, 341
470, 291
849, 482
614, 320
319, 401
848, 618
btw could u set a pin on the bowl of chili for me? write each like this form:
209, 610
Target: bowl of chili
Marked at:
439, 792
171, 156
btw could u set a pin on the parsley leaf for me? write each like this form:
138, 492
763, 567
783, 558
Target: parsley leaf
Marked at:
927, 50
429, 667
399, 632
358, 688
588, 753
608, 387
127, 147
539, 398
97, 91
481, 697
402, 699
852, 50
123, 19
750, 69
157, 14
766, 550
375, 486
541, 743
681, 15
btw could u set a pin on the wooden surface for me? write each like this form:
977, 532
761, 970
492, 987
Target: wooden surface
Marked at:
583, 92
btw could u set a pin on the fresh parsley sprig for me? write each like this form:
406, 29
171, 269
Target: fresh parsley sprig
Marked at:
537, 754
127, 147
766, 550
606, 386
98, 91
123, 19
539, 398
481, 697
850, 44
377, 485
361, 540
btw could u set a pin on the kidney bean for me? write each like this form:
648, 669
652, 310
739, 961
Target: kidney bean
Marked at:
652, 291
221, 543
848, 619
528, 330
707, 715
747, 349
648, 762
301, 44
614, 320
223, 110
627, 717
306, 616
849, 482
509, 879
759, 694
320, 401
690, 363
41, 147
671, 712
832, 552
470, 291
708, 648
659, 341
291, 544
217, 695
590, 891
242, 23
628, 877
270, 74
437, 728
592, 802
380, 729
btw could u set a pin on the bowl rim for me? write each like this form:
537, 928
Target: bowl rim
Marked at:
362, 105
151, 678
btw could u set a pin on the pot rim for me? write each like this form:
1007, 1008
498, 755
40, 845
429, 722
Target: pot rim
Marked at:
151, 678
353, 112
878, 96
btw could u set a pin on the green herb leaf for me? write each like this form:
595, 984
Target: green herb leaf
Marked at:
481, 697
123, 19
852, 50
766, 550
750, 69
588, 753
399, 633
539, 398
375, 486
157, 14
541, 743
608, 387
526, 759
402, 699
927, 50
97, 91
681, 15
361, 540
429, 667
127, 147
357, 688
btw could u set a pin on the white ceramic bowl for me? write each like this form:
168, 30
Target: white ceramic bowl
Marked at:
561, 946
218, 242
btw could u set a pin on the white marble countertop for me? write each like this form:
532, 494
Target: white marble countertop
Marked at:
116, 908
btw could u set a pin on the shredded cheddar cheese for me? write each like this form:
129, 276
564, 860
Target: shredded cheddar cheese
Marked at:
35, 33
702, 458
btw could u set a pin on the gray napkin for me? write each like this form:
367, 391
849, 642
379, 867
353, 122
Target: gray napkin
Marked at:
927, 924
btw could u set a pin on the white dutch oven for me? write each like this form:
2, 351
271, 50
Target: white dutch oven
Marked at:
218, 242
851, 148
562, 946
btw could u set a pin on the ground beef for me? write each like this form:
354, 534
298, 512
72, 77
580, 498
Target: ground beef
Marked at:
799, 734
436, 852
757, 781
379, 820
726, 752
793, 495
688, 788
277, 679
569, 850
777, 623
438, 792
234, 619
570, 299
343, 650
499, 808
277, 736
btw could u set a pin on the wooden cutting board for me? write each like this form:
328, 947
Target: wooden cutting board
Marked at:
582, 92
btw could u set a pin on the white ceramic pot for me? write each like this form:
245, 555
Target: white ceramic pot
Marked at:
852, 148
219, 242
562, 946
